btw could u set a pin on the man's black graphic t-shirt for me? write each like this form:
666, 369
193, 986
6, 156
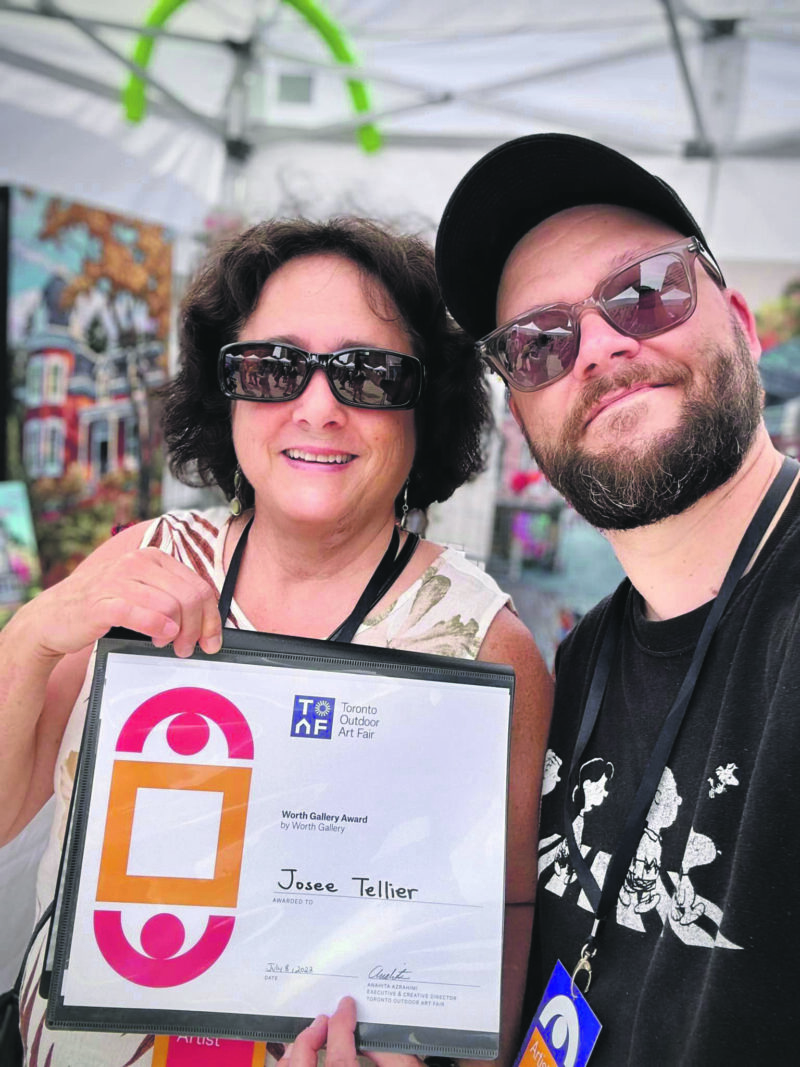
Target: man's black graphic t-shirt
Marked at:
697, 964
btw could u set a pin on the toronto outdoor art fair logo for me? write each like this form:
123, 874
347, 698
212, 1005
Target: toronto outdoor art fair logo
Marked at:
312, 717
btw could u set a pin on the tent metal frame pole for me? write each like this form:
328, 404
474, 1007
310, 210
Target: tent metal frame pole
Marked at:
580, 66
85, 84
702, 145
47, 10
81, 25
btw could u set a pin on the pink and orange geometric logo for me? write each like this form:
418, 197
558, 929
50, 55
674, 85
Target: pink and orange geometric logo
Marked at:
223, 790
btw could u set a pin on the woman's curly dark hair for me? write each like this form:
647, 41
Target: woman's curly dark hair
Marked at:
453, 416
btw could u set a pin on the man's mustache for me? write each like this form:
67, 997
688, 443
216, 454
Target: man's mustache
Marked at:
663, 372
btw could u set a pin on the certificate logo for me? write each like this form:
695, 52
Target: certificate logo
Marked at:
312, 717
200, 874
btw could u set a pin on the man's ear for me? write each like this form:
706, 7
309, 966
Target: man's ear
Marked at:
740, 310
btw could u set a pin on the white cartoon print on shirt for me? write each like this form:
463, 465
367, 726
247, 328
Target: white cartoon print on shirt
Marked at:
590, 792
725, 776
550, 777
643, 889
648, 887
694, 919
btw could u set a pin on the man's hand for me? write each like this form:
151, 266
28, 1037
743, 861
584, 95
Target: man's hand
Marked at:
337, 1034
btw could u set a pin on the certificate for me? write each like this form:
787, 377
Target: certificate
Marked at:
258, 833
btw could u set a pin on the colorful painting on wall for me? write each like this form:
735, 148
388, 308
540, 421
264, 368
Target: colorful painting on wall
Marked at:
88, 305
19, 558
778, 323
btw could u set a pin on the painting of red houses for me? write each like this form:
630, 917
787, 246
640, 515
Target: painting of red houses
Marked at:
88, 307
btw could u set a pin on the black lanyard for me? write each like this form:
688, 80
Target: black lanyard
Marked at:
384, 576
603, 900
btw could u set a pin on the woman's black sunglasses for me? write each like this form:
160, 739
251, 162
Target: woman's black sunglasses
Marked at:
647, 296
272, 372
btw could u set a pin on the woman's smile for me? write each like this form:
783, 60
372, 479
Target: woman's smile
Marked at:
327, 459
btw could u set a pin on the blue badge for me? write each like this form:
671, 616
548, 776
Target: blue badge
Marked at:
312, 717
564, 1029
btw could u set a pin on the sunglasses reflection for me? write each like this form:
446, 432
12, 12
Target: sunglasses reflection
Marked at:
259, 376
642, 299
363, 378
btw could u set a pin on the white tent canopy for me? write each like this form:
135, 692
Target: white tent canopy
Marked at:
704, 92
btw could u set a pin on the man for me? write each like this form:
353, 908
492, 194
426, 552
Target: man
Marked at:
632, 372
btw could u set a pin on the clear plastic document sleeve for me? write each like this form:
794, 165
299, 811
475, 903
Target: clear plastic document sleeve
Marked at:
258, 833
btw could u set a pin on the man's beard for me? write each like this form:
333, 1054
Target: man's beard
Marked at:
624, 487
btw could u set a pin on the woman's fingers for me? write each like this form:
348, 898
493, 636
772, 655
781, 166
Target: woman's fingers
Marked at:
184, 599
144, 590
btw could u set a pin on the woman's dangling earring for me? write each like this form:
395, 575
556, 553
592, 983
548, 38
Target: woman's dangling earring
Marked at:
236, 505
405, 506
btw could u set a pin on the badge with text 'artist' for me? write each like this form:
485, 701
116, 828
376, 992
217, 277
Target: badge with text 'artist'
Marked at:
564, 1030
183, 1051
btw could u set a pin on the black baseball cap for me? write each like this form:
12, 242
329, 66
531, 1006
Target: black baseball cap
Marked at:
520, 184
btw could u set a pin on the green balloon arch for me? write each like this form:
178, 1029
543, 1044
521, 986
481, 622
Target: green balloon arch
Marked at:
134, 97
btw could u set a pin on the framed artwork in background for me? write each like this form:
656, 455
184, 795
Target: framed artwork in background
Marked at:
19, 559
86, 303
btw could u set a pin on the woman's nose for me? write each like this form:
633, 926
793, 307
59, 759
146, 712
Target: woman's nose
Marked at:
317, 405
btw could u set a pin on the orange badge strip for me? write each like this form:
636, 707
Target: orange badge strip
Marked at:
207, 1052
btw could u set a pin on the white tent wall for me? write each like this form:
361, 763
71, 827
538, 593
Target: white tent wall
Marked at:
67, 142
82, 149
747, 208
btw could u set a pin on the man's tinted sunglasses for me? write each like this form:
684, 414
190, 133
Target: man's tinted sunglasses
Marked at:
272, 372
643, 298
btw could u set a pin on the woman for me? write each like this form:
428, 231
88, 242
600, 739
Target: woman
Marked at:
318, 468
